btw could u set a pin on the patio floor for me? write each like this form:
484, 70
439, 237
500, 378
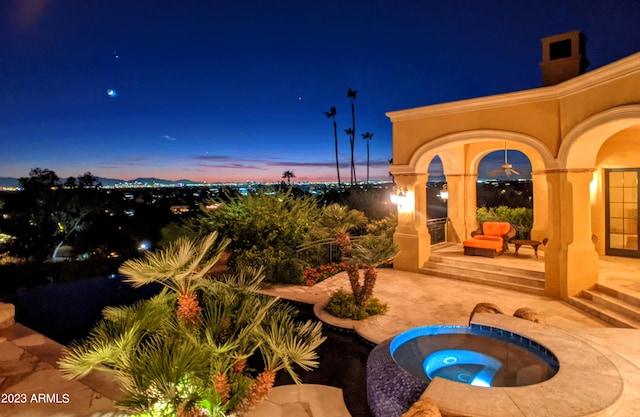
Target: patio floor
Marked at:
27, 359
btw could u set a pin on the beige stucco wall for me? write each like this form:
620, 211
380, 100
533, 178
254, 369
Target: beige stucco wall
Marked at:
547, 114
582, 104
570, 132
619, 151
539, 120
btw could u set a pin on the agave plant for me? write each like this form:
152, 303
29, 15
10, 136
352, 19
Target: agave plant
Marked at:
170, 363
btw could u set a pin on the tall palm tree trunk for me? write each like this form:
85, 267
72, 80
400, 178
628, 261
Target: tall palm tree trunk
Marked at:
352, 95
367, 162
352, 142
335, 136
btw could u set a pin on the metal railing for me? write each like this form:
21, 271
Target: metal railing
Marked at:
323, 251
438, 229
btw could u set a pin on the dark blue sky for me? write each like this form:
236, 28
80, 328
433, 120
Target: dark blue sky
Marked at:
236, 90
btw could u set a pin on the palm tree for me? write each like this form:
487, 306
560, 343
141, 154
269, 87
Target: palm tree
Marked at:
337, 220
351, 94
180, 268
367, 136
167, 367
372, 251
351, 135
332, 114
288, 175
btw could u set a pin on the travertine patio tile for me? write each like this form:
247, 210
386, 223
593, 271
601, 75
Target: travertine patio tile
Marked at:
414, 300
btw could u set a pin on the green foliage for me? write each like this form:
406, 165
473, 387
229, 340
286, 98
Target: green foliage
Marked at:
180, 266
372, 201
279, 265
264, 220
373, 251
166, 366
520, 217
384, 227
336, 218
264, 229
343, 305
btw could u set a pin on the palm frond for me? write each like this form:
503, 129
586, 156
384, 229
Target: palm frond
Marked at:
176, 266
336, 218
104, 349
247, 279
165, 370
374, 250
79, 361
287, 343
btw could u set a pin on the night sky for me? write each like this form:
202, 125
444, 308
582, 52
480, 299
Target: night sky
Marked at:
236, 90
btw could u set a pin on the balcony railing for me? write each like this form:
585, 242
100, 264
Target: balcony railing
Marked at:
438, 229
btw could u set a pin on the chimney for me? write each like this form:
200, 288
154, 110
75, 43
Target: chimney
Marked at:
563, 57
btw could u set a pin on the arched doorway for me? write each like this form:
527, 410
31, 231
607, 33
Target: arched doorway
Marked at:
460, 154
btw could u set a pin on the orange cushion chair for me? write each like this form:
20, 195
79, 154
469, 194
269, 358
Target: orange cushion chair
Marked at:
490, 240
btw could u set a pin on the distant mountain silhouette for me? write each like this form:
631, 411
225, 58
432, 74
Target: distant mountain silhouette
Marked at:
9, 182
106, 182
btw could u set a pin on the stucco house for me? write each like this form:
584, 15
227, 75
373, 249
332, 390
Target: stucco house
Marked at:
581, 133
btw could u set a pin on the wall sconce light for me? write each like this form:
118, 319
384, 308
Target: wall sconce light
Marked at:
398, 196
444, 193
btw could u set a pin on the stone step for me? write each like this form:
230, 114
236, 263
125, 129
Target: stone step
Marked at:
513, 276
626, 297
604, 313
612, 303
494, 279
469, 263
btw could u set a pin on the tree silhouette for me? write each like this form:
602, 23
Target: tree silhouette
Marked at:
288, 175
88, 180
39, 180
332, 114
367, 136
351, 94
70, 183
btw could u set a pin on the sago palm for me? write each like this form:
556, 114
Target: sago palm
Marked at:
180, 267
338, 220
167, 368
372, 251
285, 343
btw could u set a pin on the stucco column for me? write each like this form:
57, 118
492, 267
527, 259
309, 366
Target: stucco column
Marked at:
571, 262
539, 231
412, 235
461, 206
455, 208
471, 204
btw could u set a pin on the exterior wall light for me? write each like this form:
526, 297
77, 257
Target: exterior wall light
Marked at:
398, 196
404, 199
444, 193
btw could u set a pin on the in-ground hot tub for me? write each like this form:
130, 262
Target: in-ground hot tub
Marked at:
484, 357
558, 375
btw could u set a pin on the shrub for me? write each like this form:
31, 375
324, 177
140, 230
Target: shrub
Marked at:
384, 227
343, 305
314, 275
521, 218
279, 265
264, 230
